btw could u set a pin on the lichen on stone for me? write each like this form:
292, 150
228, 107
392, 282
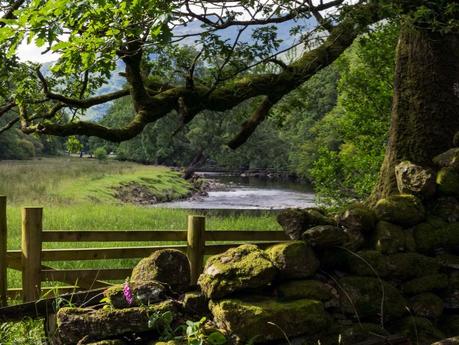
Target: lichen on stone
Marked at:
405, 209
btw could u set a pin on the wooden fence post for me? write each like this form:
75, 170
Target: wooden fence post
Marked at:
32, 227
196, 244
3, 250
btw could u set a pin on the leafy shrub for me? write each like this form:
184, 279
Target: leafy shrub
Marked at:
101, 154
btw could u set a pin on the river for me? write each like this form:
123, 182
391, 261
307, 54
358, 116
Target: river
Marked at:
249, 193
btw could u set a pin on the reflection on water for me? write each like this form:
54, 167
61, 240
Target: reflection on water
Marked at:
250, 193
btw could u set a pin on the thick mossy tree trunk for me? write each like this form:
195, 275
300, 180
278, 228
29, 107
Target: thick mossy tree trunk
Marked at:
425, 113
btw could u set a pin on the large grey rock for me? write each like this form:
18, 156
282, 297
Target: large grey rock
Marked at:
266, 319
168, 266
295, 260
241, 268
414, 179
405, 210
325, 236
295, 221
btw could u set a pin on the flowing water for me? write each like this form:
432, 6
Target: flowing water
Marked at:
236, 192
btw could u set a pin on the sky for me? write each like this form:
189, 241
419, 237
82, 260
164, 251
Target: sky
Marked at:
30, 52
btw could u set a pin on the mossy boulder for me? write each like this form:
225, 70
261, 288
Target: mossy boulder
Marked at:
402, 266
300, 289
325, 236
295, 221
144, 293
447, 159
73, 324
265, 319
295, 260
448, 181
363, 295
168, 266
414, 179
405, 210
358, 218
428, 283
426, 305
241, 268
420, 330
429, 238
446, 208
390, 238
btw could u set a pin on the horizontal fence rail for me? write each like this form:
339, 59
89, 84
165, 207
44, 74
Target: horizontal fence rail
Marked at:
196, 242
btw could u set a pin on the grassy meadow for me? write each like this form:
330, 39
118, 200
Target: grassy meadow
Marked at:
78, 194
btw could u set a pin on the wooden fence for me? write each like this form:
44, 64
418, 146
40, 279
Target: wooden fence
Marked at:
196, 242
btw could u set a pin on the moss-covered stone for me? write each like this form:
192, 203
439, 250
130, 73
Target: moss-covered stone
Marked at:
358, 217
414, 179
144, 293
168, 266
429, 283
390, 238
402, 266
195, 303
426, 305
325, 236
295, 260
429, 238
363, 295
265, 318
420, 330
76, 323
300, 289
406, 210
446, 208
244, 267
448, 181
449, 158
295, 221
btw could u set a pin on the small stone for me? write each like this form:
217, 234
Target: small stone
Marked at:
295, 260
196, 303
447, 208
448, 181
449, 158
265, 319
358, 218
325, 236
414, 179
295, 221
144, 293
237, 269
405, 210
390, 238
420, 330
168, 266
427, 305
425, 284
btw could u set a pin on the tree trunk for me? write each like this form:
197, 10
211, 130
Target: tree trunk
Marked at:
425, 111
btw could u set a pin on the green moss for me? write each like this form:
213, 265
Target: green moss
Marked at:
363, 295
358, 217
293, 259
298, 289
425, 284
405, 209
426, 305
448, 181
390, 238
144, 294
266, 317
244, 267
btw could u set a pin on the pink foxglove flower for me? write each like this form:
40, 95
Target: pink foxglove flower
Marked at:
128, 293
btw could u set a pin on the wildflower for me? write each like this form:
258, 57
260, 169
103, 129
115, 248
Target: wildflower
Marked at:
128, 293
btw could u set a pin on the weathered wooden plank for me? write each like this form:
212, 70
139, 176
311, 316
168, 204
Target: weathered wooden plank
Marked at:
220, 248
75, 275
41, 308
196, 243
113, 236
245, 235
3, 249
